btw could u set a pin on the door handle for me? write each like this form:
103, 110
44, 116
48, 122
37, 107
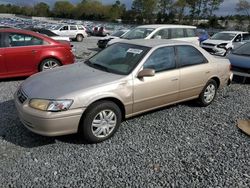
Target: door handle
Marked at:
34, 51
174, 79
207, 72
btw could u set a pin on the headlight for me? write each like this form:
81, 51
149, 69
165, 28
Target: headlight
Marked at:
223, 45
50, 105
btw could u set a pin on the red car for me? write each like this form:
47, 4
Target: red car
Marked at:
23, 53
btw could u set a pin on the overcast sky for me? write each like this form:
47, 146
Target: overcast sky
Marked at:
226, 8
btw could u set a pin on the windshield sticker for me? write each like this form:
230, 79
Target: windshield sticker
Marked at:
134, 51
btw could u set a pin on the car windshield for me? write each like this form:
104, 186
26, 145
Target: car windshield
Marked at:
118, 33
243, 50
223, 36
119, 58
138, 33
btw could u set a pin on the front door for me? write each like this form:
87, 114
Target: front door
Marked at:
21, 54
161, 89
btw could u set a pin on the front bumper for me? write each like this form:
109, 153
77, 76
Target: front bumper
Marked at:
48, 123
215, 50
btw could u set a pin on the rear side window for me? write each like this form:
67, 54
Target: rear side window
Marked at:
177, 32
246, 36
16, 39
161, 59
80, 27
189, 55
73, 27
190, 32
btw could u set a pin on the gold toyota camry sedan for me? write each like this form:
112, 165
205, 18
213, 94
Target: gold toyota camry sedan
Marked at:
123, 80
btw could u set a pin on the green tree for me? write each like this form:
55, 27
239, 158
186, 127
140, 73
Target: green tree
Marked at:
243, 6
63, 9
180, 7
210, 6
145, 9
42, 9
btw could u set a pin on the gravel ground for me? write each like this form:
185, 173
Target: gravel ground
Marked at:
180, 146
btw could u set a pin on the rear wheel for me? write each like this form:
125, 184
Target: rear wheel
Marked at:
100, 121
208, 93
48, 64
79, 38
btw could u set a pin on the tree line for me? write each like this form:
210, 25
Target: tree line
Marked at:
142, 11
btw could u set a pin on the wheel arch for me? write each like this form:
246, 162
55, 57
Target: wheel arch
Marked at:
217, 80
47, 57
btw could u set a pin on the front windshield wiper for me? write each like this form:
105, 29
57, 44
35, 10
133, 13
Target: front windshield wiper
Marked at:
96, 65
241, 54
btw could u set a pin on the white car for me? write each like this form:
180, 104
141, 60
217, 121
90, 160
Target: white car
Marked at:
161, 31
223, 42
76, 32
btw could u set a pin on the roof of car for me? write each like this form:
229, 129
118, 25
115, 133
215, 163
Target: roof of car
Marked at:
166, 25
154, 42
234, 32
28, 32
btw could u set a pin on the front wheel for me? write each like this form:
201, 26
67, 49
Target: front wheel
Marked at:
208, 93
100, 121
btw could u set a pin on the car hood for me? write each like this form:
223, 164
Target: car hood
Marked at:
239, 60
109, 37
215, 42
64, 82
115, 40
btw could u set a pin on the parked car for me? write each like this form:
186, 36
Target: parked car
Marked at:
177, 32
223, 42
23, 53
102, 43
101, 31
75, 32
240, 61
121, 81
50, 34
202, 34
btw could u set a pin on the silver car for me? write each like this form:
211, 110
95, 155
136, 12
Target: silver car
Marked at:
121, 81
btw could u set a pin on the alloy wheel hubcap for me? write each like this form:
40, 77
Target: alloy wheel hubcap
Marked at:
50, 65
209, 93
104, 123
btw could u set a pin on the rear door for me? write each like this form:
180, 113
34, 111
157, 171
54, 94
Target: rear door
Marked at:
195, 71
73, 31
22, 53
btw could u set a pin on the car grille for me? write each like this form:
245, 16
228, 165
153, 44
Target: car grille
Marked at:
21, 96
210, 50
208, 44
239, 69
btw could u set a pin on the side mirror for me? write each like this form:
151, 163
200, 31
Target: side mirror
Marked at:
157, 37
146, 73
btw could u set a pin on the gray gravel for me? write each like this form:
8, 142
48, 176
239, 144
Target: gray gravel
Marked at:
183, 145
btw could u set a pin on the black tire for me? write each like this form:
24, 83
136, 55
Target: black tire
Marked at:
229, 50
49, 63
87, 128
79, 38
205, 99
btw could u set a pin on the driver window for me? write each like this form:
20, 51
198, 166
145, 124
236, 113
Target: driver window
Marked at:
64, 28
161, 59
237, 38
161, 34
